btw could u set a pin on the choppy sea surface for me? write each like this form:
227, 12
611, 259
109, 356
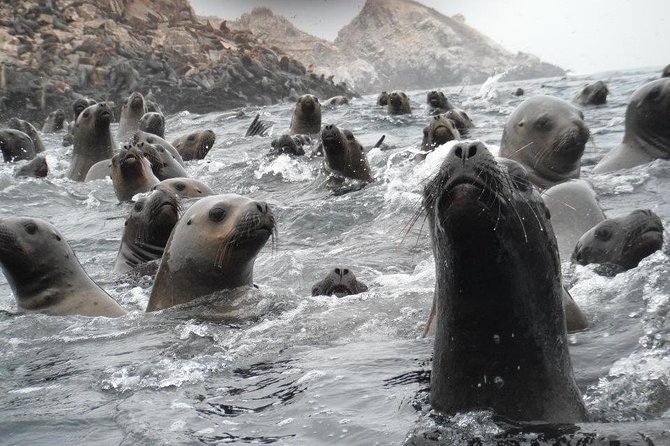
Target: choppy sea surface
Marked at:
283, 367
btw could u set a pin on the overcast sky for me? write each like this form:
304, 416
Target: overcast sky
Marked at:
585, 36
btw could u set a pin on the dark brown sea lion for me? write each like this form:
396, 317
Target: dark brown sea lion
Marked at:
212, 247
437, 102
461, 120
439, 131
28, 129
185, 187
16, 145
147, 229
621, 242
287, 144
93, 140
547, 135
647, 133
196, 145
154, 123
54, 122
383, 99
306, 118
37, 168
344, 155
131, 113
500, 341
131, 173
592, 94
519, 92
666, 71
398, 103
339, 282
44, 273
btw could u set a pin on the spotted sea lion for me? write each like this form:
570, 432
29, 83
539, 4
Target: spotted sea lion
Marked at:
439, 130
92, 139
147, 229
28, 129
547, 135
212, 247
647, 133
54, 122
306, 118
196, 145
344, 155
16, 145
398, 103
44, 273
132, 111
383, 99
461, 120
185, 187
288, 144
131, 173
150, 138
36, 168
339, 282
154, 123
500, 341
592, 94
621, 242
437, 102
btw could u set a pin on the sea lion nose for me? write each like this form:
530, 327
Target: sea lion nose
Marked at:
328, 127
262, 207
466, 151
341, 272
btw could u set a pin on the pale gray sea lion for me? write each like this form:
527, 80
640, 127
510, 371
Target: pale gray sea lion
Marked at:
54, 122
92, 139
131, 113
150, 138
592, 94
336, 101
152, 122
185, 187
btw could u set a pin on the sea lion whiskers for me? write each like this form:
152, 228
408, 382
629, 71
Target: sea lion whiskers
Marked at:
522, 148
250, 222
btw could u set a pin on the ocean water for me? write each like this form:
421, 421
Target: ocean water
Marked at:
278, 366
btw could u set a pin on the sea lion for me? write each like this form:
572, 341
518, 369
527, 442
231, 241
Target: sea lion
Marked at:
621, 242
131, 173
574, 209
78, 106
437, 102
439, 130
147, 229
344, 155
287, 144
28, 129
500, 340
592, 94
398, 103
37, 168
306, 118
336, 101
152, 122
547, 135
131, 113
461, 120
519, 92
152, 107
339, 282
92, 139
647, 133
666, 71
185, 187
44, 273
383, 99
54, 122
16, 145
150, 138
212, 247
163, 163
196, 145
99, 171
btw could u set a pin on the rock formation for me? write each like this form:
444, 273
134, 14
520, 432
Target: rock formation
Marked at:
56, 50
397, 44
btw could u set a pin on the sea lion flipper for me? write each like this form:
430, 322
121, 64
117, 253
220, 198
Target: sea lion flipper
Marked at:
258, 127
575, 320
380, 142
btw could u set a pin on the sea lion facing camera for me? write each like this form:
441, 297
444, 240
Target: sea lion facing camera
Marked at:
461, 120
440, 130
344, 154
547, 136
147, 229
45, 275
152, 122
196, 145
500, 341
78, 106
131, 113
16, 145
54, 122
92, 139
339, 282
647, 132
621, 242
437, 102
398, 103
593, 94
28, 129
185, 187
306, 118
288, 144
212, 247
383, 99
131, 173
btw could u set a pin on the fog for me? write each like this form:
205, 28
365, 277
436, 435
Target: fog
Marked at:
584, 36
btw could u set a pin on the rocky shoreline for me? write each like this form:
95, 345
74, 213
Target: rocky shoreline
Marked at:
55, 51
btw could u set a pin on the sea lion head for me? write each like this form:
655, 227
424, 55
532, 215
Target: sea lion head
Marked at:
398, 103
339, 282
16, 145
647, 117
80, 105
437, 99
185, 187
152, 219
154, 123
439, 131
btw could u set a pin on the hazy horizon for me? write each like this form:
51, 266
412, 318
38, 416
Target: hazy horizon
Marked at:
582, 36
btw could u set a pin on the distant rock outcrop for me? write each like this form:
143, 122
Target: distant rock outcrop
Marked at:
398, 44
56, 50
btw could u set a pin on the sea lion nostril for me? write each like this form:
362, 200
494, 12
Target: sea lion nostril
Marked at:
472, 151
338, 271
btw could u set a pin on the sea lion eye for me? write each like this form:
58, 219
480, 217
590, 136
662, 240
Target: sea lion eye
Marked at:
190, 137
139, 206
180, 186
603, 234
654, 94
217, 214
30, 228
